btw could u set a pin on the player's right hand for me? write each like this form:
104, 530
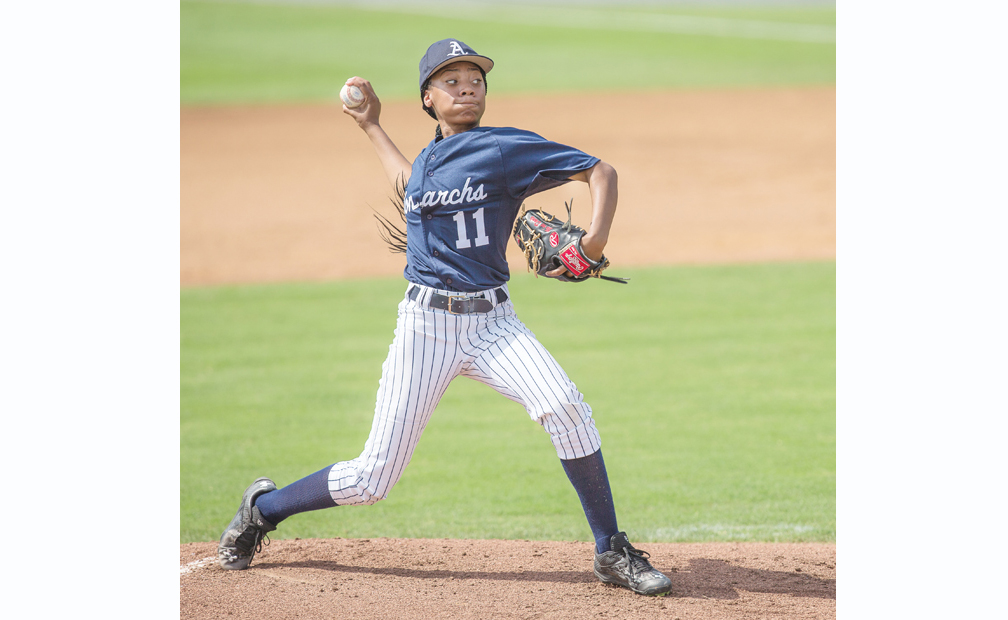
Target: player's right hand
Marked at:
367, 113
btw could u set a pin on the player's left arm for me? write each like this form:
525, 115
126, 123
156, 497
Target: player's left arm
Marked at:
602, 185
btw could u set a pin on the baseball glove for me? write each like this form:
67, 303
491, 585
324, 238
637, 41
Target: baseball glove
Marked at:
549, 244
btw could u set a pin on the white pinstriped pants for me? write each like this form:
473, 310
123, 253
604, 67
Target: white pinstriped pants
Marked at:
432, 347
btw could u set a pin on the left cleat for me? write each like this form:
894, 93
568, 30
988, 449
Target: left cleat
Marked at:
629, 567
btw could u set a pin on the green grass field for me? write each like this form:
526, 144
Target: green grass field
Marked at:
238, 52
713, 389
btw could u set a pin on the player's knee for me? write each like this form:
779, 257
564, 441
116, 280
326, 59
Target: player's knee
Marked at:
559, 412
367, 499
372, 490
369, 495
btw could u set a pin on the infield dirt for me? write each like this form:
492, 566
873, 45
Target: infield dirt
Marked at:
285, 193
432, 578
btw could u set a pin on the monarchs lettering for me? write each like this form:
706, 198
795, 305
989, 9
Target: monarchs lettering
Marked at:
447, 197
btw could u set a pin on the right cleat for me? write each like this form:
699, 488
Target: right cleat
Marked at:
244, 535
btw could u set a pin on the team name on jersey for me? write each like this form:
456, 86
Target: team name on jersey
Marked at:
446, 197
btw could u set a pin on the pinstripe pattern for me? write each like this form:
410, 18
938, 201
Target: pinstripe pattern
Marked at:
432, 347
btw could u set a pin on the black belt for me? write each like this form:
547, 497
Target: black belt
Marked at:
460, 304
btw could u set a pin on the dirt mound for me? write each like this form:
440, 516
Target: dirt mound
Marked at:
433, 578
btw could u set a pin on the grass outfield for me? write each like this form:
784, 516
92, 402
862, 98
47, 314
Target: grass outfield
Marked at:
713, 388
239, 52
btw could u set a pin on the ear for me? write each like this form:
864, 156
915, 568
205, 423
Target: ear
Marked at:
427, 99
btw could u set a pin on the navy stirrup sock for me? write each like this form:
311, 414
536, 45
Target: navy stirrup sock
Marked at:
308, 493
588, 475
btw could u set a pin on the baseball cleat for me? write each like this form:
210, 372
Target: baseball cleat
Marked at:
244, 535
628, 567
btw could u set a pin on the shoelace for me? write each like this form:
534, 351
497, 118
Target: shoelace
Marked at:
637, 559
259, 545
255, 545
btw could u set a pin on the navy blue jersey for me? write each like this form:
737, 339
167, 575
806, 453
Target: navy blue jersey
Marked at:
462, 199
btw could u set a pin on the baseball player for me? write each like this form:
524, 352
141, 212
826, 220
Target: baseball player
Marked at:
462, 195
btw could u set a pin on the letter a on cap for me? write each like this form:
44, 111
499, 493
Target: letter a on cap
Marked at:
456, 49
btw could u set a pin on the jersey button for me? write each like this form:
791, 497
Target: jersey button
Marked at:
433, 157
429, 216
431, 173
448, 281
436, 253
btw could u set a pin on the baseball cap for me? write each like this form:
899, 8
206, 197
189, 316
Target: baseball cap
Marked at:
448, 51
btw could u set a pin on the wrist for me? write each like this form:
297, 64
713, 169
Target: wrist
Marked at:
592, 246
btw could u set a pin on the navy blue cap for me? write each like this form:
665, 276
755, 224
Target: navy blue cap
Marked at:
447, 51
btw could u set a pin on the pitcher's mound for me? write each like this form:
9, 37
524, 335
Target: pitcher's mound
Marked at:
456, 579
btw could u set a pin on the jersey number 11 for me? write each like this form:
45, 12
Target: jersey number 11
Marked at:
463, 238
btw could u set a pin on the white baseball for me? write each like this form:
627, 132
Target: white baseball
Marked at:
351, 96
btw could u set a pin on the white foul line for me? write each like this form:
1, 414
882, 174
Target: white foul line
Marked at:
192, 566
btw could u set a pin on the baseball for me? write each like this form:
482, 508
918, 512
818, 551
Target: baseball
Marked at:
351, 96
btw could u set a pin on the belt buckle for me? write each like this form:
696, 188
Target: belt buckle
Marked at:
451, 304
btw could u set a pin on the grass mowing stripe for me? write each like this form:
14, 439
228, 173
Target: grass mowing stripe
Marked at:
237, 52
713, 389
631, 21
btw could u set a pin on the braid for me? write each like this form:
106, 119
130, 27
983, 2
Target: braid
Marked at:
437, 133
391, 233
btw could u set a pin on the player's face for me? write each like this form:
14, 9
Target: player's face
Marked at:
458, 95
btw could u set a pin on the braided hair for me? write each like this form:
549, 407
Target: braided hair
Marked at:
430, 111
